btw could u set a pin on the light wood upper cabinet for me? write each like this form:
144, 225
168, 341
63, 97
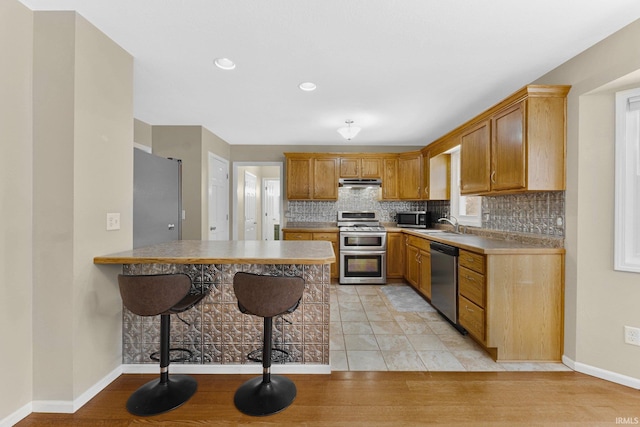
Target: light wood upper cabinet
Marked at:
311, 177
475, 159
365, 167
299, 177
508, 149
325, 178
410, 175
517, 146
390, 179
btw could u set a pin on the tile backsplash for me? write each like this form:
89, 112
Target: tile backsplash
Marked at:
532, 213
349, 199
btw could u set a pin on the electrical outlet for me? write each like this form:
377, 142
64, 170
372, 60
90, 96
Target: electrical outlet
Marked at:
632, 335
113, 221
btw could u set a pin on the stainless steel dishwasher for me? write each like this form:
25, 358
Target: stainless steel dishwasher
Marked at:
444, 281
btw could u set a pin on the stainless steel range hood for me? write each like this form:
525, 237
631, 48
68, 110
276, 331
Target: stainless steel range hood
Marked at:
359, 182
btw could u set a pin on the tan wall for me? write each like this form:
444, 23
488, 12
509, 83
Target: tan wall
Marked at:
83, 129
142, 133
599, 300
16, 278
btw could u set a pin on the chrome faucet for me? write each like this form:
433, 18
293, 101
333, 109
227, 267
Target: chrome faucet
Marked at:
456, 226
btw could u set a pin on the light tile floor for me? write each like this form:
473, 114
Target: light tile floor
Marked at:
368, 334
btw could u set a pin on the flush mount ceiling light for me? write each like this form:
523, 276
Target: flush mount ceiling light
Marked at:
348, 132
224, 63
307, 86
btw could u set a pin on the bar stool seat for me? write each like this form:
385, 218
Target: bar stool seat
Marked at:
266, 296
152, 295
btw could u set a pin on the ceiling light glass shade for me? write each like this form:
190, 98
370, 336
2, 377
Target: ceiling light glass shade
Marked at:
307, 86
348, 132
224, 64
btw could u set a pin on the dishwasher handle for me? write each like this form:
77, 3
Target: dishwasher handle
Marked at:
445, 249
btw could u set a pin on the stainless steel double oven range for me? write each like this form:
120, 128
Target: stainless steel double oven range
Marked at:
363, 248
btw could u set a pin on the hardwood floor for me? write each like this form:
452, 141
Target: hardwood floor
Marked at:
383, 399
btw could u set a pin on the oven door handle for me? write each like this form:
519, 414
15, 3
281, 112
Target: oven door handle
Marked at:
362, 252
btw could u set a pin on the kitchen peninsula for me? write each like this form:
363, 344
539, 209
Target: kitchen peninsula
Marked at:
215, 330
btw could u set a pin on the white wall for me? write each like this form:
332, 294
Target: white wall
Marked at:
599, 300
16, 277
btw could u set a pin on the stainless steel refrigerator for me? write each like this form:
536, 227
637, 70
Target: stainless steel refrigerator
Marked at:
157, 199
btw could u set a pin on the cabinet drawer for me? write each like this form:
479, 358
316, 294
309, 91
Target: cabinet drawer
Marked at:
298, 235
471, 317
419, 242
330, 237
472, 261
471, 285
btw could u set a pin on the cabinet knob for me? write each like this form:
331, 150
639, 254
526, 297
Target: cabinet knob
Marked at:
493, 177
469, 278
469, 309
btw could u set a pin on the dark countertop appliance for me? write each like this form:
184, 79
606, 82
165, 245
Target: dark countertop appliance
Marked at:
413, 219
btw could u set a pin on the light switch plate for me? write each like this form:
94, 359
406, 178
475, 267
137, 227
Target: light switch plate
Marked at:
113, 221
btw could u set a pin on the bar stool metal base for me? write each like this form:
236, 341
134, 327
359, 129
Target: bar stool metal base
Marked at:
156, 397
256, 397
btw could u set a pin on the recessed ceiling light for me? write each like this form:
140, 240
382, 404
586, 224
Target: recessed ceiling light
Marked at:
307, 86
224, 64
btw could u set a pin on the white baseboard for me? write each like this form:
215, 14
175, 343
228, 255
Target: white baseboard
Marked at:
18, 415
69, 407
603, 374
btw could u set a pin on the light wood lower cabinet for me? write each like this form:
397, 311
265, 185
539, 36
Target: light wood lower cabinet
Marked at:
395, 255
512, 304
327, 236
418, 264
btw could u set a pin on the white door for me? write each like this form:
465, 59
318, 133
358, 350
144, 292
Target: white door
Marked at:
218, 195
270, 207
250, 214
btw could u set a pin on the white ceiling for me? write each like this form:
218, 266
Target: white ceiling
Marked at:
406, 71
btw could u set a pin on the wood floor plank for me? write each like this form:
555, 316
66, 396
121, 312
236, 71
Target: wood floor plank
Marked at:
381, 399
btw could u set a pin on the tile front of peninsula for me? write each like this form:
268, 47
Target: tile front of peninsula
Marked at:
215, 330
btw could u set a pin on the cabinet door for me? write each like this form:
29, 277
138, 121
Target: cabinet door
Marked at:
390, 179
395, 255
349, 167
409, 172
325, 178
425, 273
370, 168
412, 263
299, 178
475, 159
508, 151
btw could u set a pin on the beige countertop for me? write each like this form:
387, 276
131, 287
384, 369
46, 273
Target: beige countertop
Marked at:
226, 252
472, 242
485, 245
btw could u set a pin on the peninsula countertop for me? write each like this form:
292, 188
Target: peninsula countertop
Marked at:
226, 252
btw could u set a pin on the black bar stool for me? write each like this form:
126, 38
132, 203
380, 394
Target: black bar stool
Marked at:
152, 295
266, 296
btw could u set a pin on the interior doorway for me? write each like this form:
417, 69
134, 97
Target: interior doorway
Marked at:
267, 201
217, 198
